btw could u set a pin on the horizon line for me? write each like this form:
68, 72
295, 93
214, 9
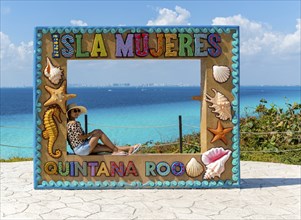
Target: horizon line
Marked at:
121, 86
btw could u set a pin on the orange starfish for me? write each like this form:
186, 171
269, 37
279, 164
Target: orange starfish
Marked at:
58, 96
220, 133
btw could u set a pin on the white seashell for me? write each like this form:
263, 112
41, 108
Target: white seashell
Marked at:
220, 104
194, 168
53, 73
215, 160
221, 73
214, 154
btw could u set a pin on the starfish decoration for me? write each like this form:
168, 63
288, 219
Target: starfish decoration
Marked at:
58, 96
220, 133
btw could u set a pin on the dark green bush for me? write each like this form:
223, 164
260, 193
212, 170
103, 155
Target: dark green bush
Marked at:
272, 130
270, 134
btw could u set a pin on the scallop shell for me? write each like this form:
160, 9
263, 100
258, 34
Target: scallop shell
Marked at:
220, 104
215, 160
194, 168
221, 73
53, 73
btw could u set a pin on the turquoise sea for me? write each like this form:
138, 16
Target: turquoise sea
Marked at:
128, 115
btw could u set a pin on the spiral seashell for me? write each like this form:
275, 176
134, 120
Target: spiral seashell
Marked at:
221, 73
194, 168
53, 73
211, 173
215, 160
220, 104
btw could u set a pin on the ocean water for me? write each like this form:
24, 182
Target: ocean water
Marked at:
128, 115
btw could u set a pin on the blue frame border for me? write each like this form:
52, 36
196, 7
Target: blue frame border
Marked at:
234, 183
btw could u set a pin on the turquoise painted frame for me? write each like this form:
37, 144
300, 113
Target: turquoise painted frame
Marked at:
234, 183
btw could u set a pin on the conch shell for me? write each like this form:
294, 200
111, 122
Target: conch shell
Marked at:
215, 160
194, 168
220, 104
53, 73
221, 73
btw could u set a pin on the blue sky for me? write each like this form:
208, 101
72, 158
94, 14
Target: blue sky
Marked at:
270, 38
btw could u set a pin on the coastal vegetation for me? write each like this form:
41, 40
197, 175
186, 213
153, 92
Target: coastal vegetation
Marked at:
270, 133
16, 159
273, 135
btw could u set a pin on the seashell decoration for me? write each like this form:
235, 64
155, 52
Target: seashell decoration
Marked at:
221, 73
215, 160
194, 168
220, 104
53, 73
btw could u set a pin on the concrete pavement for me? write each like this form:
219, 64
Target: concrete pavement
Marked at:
269, 191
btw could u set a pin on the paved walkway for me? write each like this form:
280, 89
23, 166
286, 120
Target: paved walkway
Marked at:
269, 191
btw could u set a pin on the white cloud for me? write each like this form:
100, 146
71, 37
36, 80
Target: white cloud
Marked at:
78, 23
166, 16
291, 42
15, 60
17, 52
257, 37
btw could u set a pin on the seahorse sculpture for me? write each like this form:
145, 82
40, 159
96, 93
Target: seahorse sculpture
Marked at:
51, 131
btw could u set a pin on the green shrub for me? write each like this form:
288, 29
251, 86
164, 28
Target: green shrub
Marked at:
273, 130
16, 159
272, 135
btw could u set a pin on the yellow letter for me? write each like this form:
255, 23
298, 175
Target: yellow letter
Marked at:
98, 47
103, 170
169, 45
50, 168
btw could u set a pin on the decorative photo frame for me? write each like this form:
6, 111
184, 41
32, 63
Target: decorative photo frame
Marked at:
218, 165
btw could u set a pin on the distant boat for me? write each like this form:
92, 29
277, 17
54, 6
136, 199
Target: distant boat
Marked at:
109, 90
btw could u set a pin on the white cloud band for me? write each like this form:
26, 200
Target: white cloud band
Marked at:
9, 50
166, 16
257, 37
16, 62
78, 23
